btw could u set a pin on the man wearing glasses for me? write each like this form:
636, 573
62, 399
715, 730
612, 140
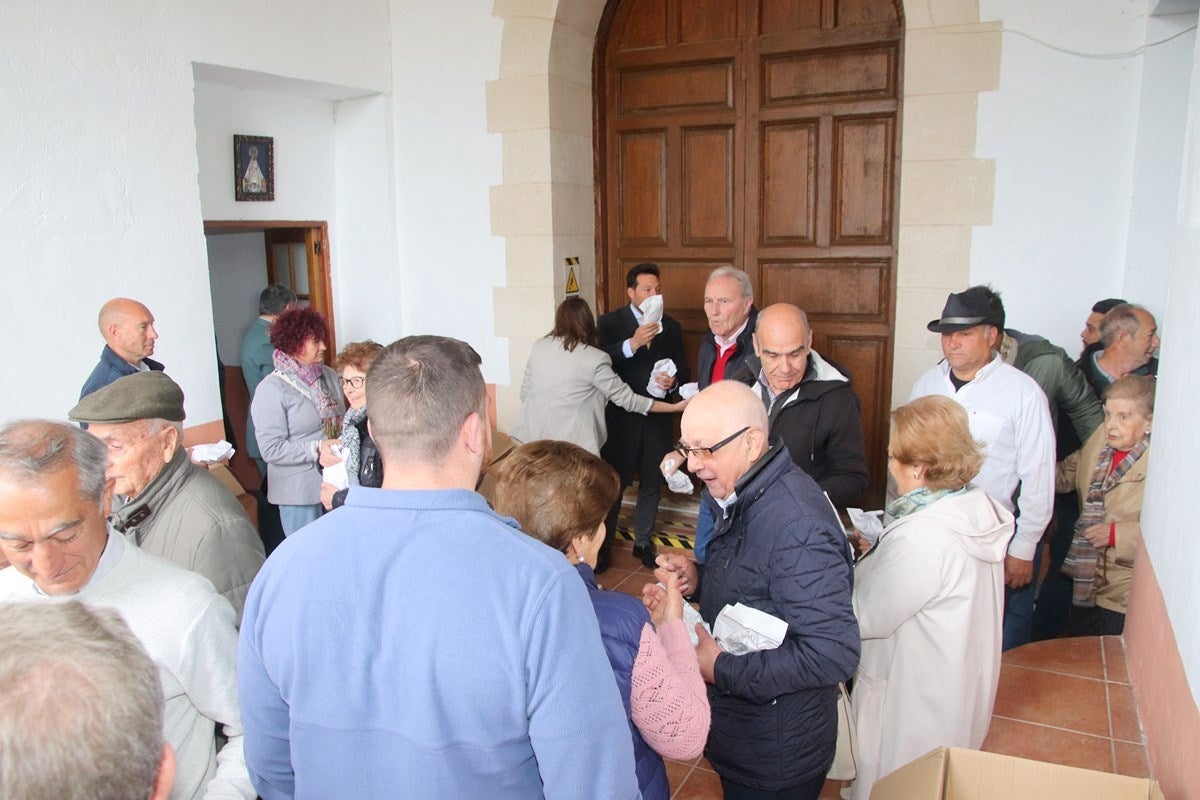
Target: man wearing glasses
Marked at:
778, 548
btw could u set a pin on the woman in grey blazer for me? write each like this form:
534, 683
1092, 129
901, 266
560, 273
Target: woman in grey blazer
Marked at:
568, 380
297, 412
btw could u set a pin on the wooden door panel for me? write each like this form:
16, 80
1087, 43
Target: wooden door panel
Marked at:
707, 186
645, 26
789, 171
866, 358
835, 291
785, 16
862, 176
707, 20
758, 133
675, 88
641, 187
863, 12
828, 76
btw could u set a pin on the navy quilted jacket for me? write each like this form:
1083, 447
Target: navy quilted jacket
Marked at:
781, 550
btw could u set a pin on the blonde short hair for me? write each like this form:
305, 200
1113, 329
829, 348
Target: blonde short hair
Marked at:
933, 432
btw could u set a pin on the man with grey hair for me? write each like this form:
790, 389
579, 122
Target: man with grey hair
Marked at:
1129, 340
53, 495
406, 690
81, 707
129, 336
729, 308
164, 503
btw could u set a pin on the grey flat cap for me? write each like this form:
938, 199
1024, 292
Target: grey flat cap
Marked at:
143, 395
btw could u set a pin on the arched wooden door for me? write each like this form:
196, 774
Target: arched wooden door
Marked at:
763, 134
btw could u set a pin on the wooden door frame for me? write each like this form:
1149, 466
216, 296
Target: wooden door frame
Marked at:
321, 293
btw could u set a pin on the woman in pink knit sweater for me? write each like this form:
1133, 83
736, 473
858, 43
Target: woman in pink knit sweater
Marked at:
560, 493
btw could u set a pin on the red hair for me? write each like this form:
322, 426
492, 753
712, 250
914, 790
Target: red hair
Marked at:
295, 326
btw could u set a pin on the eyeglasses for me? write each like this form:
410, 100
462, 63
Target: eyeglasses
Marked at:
357, 381
707, 452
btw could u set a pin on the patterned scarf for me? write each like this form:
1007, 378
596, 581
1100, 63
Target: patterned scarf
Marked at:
352, 442
307, 379
1085, 562
905, 504
915, 500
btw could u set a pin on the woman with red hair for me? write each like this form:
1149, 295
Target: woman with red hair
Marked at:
297, 412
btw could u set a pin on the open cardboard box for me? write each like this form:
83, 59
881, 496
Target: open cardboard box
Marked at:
951, 773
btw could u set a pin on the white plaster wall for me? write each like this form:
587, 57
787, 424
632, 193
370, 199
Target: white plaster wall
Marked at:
443, 56
1062, 130
1158, 158
365, 267
237, 267
303, 130
100, 195
1170, 509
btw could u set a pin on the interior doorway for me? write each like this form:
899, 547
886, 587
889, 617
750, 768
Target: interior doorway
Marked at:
244, 257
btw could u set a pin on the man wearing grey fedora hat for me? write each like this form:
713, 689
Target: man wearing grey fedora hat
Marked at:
1010, 416
165, 504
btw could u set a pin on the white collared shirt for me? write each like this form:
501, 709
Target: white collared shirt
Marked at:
726, 342
1009, 414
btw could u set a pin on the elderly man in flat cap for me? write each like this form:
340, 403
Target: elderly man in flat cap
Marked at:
1008, 412
164, 503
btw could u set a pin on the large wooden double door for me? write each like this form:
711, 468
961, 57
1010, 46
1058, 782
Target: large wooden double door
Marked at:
762, 134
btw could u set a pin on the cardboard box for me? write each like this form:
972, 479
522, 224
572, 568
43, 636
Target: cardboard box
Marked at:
951, 773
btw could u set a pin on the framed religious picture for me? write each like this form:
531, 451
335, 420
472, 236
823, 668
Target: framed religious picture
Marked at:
253, 167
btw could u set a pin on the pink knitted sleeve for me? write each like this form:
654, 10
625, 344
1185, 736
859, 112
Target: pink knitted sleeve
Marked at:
668, 701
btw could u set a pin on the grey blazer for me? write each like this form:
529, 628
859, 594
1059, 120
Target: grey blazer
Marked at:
563, 395
287, 426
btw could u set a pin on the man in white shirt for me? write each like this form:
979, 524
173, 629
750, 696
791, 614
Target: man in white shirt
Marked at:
53, 496
1010, 416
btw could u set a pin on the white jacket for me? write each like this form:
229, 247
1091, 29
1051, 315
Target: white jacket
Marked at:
929, 601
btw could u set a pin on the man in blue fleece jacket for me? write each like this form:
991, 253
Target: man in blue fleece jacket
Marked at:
413, 643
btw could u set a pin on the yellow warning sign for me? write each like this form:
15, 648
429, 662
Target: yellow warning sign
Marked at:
572, 282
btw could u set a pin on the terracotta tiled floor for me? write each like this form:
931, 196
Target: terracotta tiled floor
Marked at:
1066, 701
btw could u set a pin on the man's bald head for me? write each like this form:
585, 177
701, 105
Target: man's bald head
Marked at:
725, 430
782, 342
128, 328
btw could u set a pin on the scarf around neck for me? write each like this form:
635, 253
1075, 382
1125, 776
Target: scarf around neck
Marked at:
306, 379
917, 499
1085, 562
352, 442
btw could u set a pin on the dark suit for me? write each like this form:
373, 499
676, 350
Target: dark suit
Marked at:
637, 442
708, 351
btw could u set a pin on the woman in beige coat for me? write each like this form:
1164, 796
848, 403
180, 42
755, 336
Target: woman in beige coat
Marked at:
568, 380
929, 598
1109, 472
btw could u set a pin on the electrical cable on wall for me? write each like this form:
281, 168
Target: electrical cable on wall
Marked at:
1137, 51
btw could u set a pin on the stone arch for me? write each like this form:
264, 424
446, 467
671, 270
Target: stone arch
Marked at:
541, 105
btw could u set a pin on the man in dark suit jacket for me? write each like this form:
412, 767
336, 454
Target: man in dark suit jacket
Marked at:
638, 441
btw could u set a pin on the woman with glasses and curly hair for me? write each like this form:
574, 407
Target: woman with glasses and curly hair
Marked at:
364, 467
297, 412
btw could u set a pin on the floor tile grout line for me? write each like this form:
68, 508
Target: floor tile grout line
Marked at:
1054, 727
1059, 672
683, 782
1112, 745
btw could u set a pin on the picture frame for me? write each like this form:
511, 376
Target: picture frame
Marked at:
253, 168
